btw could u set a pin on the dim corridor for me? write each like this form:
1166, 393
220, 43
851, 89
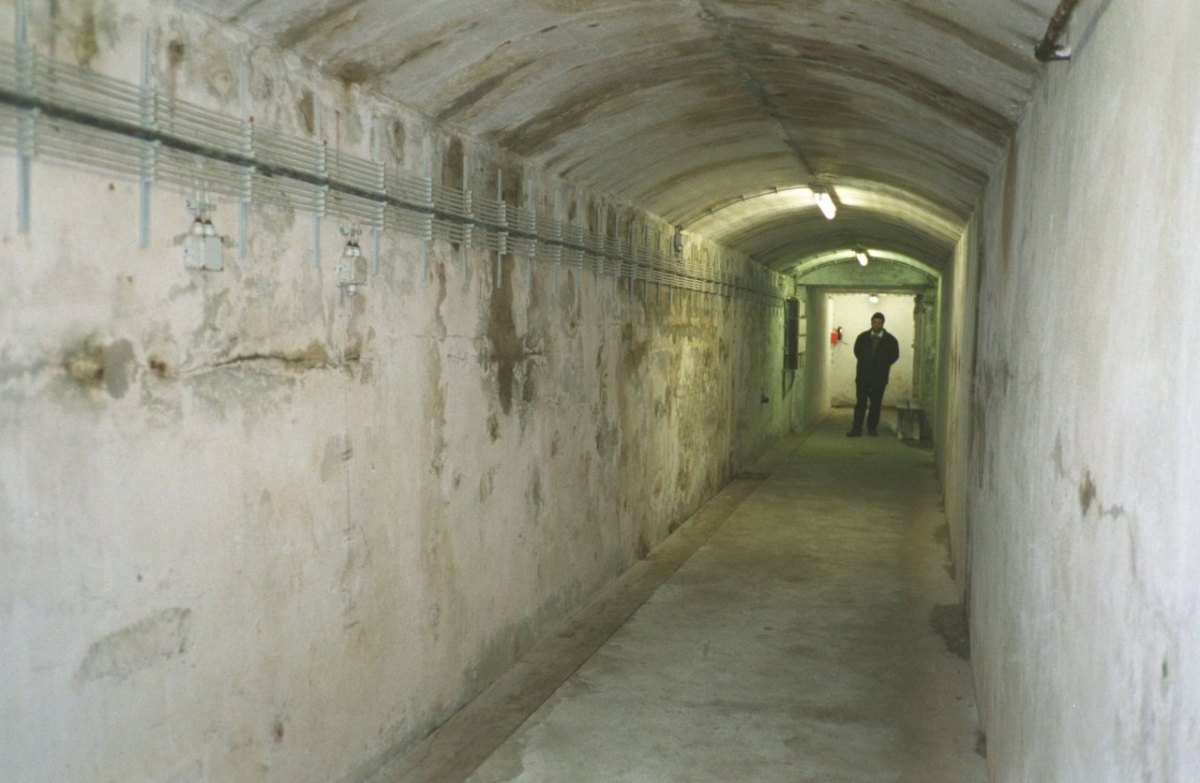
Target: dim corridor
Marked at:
803, 626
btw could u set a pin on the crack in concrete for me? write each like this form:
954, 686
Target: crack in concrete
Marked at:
269, 357
312, 358
729, 44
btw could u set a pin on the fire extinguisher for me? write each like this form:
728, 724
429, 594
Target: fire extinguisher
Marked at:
835, 336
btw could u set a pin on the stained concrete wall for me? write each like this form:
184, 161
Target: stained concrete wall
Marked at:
816, 358
928, 345
957, 312
1082, 445
763, 394
254, 529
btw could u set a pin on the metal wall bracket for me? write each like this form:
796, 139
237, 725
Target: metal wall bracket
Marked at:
1049, 50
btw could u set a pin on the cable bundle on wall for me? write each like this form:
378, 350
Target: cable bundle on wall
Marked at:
69, 114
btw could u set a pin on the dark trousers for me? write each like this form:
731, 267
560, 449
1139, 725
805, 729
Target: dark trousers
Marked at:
874, 395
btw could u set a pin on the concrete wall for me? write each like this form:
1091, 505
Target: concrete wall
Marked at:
956, 351
816, 358
927, 342
254, 529
762, 395
1082, 490
853, 312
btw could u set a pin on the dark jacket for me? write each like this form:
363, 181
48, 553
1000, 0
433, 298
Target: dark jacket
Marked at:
874, 369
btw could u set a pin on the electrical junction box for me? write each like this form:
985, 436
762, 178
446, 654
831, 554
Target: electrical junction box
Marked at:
203, 250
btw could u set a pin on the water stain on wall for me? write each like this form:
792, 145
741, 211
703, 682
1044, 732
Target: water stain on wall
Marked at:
683, 478
118, 359
481, 89
395, 138
942, 535
353, 578
1056, 457
86, 46
503, 647
508, 350
305, 108
216, 69
85, 364
156, 638
534, 495
439, 273
94, 365
323, 19
633, 351
95, 28
452, 164
381, 61
950, 623
538, 132
1009, 214
338, 452
351, 73
437, 414
1087, 492
977, 439
1012, 58
607, 437
176, 53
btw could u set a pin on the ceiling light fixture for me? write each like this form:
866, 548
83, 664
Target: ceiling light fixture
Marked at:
873, 299
863, 258
824, 200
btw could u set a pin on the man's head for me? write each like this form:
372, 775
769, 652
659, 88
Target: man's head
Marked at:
877, 322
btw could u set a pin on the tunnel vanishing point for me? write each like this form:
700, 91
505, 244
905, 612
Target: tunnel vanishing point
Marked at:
348, 347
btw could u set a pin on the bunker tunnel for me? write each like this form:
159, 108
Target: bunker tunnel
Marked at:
354, 351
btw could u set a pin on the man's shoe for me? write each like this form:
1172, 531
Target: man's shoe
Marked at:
854, 434
873, 433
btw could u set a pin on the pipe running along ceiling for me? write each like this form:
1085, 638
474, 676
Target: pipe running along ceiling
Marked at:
717, 115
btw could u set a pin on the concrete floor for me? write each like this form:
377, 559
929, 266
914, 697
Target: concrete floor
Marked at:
802, 627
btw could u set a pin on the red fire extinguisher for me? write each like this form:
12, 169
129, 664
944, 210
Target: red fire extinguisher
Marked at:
835, 336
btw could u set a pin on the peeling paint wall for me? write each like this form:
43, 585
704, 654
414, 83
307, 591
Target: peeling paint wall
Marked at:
1081, 447
252, 528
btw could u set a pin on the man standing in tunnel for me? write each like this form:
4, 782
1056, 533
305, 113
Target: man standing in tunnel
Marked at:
876, 351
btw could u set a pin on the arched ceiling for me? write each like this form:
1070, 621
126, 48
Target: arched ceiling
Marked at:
684, 107
833, 258
782, 227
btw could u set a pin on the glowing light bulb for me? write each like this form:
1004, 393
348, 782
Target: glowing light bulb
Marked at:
825, 204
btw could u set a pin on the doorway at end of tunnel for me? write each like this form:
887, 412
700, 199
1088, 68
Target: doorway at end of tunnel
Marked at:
852, 312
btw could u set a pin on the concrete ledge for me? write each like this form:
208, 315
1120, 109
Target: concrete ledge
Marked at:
456, 748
